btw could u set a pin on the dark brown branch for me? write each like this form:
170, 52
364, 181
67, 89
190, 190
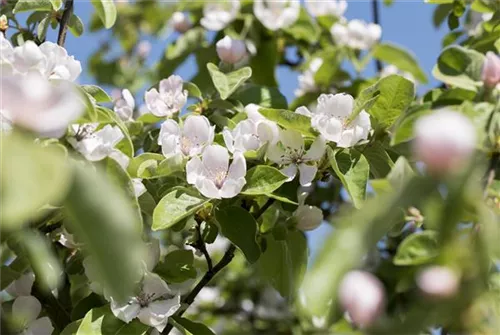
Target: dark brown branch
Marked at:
63, 24
200, 245
376, 19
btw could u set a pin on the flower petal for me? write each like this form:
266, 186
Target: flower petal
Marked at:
157, 313
228, 139
292, 140
317, 150
194, 169
168, 128
215, 158
21, 286
302, 110
27, 308
290, 171
276, 154
232, 188
42, 326
238, 168
207, 188
153, 285
307, 174
126, 312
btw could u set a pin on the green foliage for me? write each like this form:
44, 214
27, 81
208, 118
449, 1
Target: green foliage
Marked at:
399, 57
418, 249
106, 11
29, 5
177, 266
262, 180
227, 84
289, 120
192, 327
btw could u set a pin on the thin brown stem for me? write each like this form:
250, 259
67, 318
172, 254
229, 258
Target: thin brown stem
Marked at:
376, 19
63, 25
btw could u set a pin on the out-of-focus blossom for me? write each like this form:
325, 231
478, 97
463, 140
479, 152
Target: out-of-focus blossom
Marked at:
444, 141
231, 50
491, 70
392, 69
276, 15
291, 154
21, 286
188, 140
181, 22
336, 8
331, 118
26, 310
58, 64
306, 79
438, 281
213, 176
252, 133
218, 14
169, 100
362, 295
4, 23
143, 49
139, 188
356, 34
308, 217
124, 105
34, 103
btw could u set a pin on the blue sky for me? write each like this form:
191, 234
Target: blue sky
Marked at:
407, 23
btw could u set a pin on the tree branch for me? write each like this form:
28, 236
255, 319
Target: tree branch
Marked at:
200, 245
376, 19
63, 25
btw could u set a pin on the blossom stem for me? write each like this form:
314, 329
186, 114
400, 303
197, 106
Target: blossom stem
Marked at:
376, 19
200, 245
63, 25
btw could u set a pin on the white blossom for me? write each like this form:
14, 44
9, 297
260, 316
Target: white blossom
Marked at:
231, 50
26, 310
97, 145
331, 118
291, 154
139, 188
58, 64
491, 70
444, 140
169, 100
188, 140
438, 281
307, 217
34, 103
218, 14
213, 176
153, 304
181, 22
276, 15
306, 79
252, 133
392, 69
22, 285
362, 295
144, 48
356, 34
124, 105
336, 8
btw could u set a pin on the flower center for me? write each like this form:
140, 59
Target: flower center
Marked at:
144, 299
186, 145
219, 178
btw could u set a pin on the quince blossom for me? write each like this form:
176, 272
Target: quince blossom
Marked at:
252, 133
306, 79
169, 100
356, 34
124, 105
181, 22
331, 117
213, 176
188, 140
26, 309
276, 15
231, 50
491, 70
316, 8
218, 14
291, 154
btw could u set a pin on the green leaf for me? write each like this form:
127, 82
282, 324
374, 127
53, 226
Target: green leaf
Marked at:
330, 70
194, 328
460, 67
193, 90
97, 93
101, 217
140, 163
263, 179
177, 266
106, 11
29, 5
227, 83
402, 59
75, 25
106, 115
440, 14
379, 160
418, 249
239, 227
289, 120
43, 26
27, 179
353, 170
268, 97
56, 4
101, 321
175, 206
401, 173
284, 263
396, 94
264, 62
304, 29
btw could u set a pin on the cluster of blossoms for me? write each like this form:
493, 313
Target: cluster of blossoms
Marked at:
34, 94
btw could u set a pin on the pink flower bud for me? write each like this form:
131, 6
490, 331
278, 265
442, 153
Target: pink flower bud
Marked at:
143, 49
362, 295
180, 22
491, 70
231, 51
444, 141
438, 282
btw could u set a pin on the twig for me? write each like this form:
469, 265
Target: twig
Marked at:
211, 273
200, 245
376, 19
63, 25
226, 259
